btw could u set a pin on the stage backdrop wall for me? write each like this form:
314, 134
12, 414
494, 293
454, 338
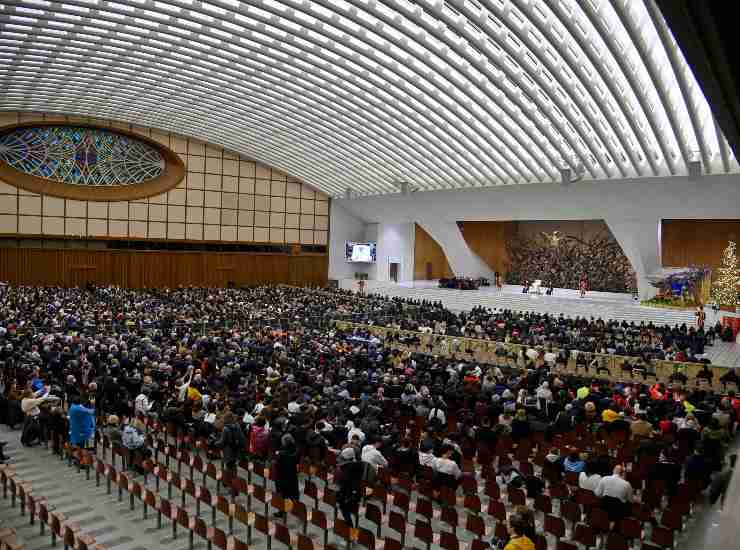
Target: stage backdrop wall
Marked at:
223, 198
138, 269
488, 240
696, 242
430, 261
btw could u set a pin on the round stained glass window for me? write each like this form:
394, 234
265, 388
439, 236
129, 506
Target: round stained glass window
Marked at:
100, 163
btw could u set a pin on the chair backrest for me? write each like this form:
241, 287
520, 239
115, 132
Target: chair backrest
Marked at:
342, 529
476, 525
472, 502
585, 535
615, 541
397, 522
477, 544
448, 541
304, 542
392, 544
282, 534
449, 516
401, 500
366, 538
562, 545
318, 518
373, 514
423, 531
424, 508
299, 510
554, 525
165, 507
260, 523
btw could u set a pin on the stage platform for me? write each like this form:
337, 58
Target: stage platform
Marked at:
604, 305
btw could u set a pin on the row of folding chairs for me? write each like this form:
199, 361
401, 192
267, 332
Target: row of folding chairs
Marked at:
37, 509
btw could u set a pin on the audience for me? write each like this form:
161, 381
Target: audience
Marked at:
263, 371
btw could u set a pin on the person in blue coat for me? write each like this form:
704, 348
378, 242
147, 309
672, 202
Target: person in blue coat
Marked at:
81, 423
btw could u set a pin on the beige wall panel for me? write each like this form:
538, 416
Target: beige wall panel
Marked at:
76, 209
245, 234
307, 206
321, 222
164, 139
277, 219
246, 185
230, 167
292, 205
262, 219
277, 204
213, 165
138, 211
213, 182
277, 235
8, 223
179, 145
137, 230
246, 218
158, 199
261, 234
228, 233
262, 172
262, 187
230, 184
307, 192
246, 202
246, 169
118, 210
194, 214
176, 197
230, 156
97, 228
211, 232
213, 199
229, 217
8, 204
229, 200
322, 207
262, 203
292, 236
277, 175
176, 231
195, 181
196, 147
29, 205
293, 189
118, 228
292, 220
194, 231
196, 164
194, 197
97, 210
53, 225
320, 237
212, 151
277, 189
157, 230
175, 213
53, 206
211, 215
306, 221
6, 119
306, 237
75, 227
157, 212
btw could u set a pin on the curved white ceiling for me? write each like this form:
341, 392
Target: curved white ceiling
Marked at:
367, 94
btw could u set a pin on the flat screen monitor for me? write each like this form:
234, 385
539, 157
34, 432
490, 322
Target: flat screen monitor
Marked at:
360, 252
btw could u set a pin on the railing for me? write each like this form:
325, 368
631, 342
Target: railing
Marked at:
609, 367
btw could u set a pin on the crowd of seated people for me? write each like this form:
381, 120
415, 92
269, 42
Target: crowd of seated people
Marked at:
646, 340
272, 378
563, 265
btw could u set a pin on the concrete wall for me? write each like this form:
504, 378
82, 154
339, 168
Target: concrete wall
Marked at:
632, 209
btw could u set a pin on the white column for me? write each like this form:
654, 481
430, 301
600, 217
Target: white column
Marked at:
463, 261
395, 244
640, 242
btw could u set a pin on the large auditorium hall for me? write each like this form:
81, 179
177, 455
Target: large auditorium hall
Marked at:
369, 274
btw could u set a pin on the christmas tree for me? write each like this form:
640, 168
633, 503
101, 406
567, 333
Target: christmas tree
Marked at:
725, 287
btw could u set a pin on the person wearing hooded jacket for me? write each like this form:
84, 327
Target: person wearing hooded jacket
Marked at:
231, 442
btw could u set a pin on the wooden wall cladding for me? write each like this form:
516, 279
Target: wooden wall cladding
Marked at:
696, 242
139, 269
488, 240
430, 261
